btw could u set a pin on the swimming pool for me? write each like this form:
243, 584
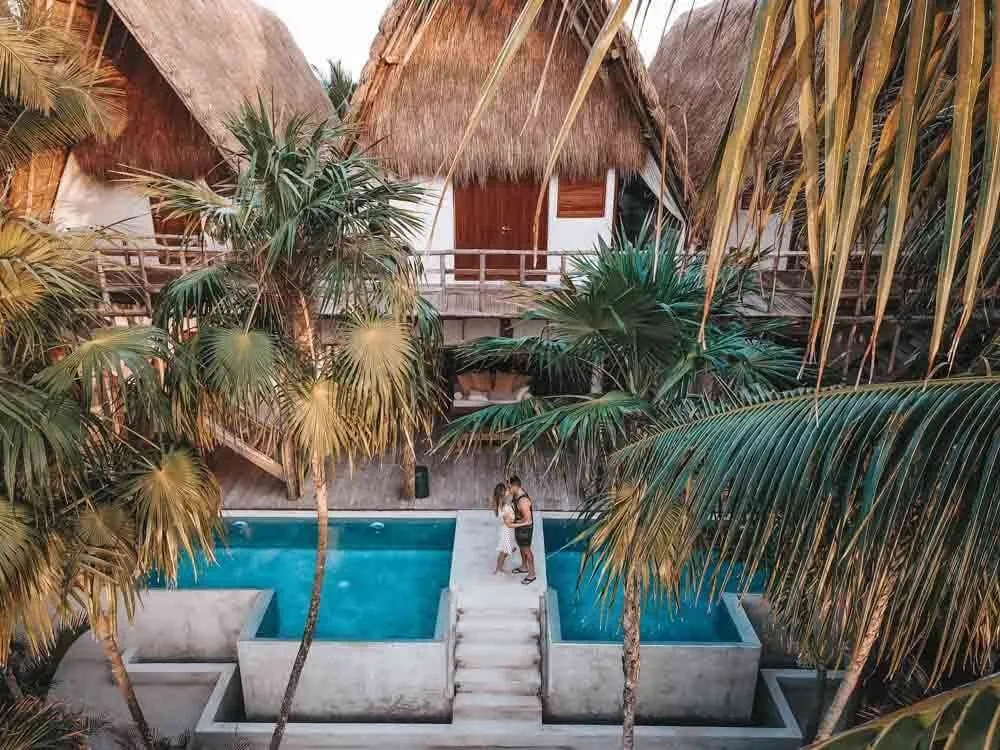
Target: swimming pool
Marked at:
383, 576
584, 617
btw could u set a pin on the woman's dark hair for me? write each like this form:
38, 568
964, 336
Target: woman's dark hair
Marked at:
498, 492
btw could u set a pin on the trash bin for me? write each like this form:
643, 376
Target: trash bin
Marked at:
421, 482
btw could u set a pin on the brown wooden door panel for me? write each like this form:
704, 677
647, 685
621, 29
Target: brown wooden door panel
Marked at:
498, 215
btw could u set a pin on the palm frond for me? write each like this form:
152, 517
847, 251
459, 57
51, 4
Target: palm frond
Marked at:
127, 354
832, 492
494, 423
35, 724
965, 717
177, 502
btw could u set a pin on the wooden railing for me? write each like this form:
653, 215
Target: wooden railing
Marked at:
129, 272
141, 266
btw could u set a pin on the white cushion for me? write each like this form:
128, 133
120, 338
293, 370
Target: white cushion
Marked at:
522, 393
478, 396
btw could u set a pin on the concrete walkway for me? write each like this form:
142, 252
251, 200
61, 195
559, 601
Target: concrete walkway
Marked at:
472, 579
497, 653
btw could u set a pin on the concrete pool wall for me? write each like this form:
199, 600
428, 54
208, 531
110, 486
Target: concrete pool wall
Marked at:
710, 682
350, 680
189, 624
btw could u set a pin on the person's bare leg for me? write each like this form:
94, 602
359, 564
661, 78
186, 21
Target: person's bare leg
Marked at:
531, 563
525, 554
501, 558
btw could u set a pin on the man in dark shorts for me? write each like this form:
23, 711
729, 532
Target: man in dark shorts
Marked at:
524, 526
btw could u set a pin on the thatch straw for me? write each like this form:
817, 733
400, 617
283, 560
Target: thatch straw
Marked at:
160, 135
698, 77
213, 55
415, 113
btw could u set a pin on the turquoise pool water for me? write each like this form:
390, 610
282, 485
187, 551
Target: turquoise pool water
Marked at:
383, 577
584, 617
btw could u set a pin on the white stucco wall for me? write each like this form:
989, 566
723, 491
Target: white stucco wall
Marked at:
84, 201
444, 230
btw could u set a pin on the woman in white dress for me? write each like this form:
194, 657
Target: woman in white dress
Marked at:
504, 511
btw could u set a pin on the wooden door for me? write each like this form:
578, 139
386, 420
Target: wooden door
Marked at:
498, 216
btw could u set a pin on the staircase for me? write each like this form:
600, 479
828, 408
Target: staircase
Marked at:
498, 665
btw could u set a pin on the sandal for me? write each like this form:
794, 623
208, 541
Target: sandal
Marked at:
519, 570
528, 580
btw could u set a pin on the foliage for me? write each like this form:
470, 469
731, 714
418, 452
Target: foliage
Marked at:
873, 510
33, 724
965, 717
51, 93
898, 135
34, 673
97, 489
340, 86
633, 335
312, 318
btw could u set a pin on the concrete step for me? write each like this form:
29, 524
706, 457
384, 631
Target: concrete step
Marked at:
493, 656
506, 681
499, 612
485, 630
497, 707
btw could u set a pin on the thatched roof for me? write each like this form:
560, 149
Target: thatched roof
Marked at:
698, 78
189, 65
415, 110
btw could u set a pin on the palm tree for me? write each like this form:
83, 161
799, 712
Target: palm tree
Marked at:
96, 488
51, 94
311, 323
339, 85
873, 511
624, 328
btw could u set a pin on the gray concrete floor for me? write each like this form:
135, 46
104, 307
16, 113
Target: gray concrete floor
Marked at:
456, 483
84, 681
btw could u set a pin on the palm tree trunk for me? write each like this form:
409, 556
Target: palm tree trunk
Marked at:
11, 682
290, 465
322, 540
122, 680
819, 698
409, 463
630, 660
858, 660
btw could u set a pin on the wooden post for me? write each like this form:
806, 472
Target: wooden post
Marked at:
443, 270
482, 278
145, 282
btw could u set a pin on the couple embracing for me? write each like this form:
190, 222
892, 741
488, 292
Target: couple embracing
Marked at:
512, 505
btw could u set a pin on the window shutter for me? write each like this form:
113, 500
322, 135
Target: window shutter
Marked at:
581, 199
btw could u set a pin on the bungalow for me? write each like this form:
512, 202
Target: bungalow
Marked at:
187, 66
415, 96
